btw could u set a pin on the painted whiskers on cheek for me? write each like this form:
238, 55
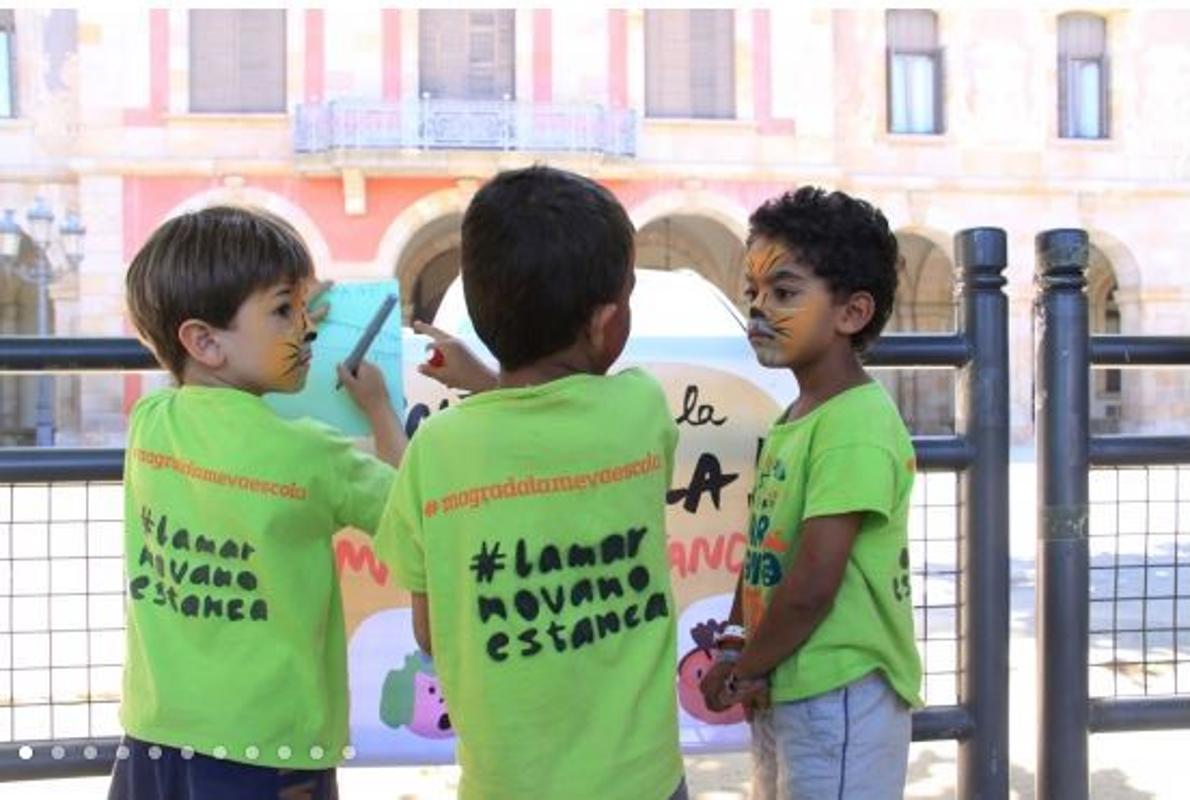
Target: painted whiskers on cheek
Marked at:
295, 349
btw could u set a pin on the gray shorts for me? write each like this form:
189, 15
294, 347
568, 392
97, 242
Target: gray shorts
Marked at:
848, 744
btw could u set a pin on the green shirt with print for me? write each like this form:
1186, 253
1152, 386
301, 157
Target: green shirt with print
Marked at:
236, 643
850, 454
534, 521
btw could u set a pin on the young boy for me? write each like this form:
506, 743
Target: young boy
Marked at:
235, 684
828, 668
528, 521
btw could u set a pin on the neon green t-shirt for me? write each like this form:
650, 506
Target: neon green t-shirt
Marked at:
851, 454
236, 643
534, 520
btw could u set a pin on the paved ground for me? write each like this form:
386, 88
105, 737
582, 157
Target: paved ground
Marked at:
1130, 766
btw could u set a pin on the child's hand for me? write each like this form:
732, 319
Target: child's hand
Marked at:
366, 388
317, 290
712, 685
451, 363
749, 692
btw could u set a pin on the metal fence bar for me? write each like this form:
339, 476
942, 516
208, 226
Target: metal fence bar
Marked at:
1139, 451
982, 419
45, 464
77, 758
1140, 351
919, 350
1112, 715
60, 758
109, 354
1063, 427
74, 354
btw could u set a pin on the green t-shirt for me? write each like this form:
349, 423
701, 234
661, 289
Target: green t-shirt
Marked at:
236, 644
534, 520
851, 454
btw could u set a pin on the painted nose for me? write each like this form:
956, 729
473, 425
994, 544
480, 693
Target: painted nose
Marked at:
310, 336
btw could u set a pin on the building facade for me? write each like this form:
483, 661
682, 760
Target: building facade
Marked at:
370, 130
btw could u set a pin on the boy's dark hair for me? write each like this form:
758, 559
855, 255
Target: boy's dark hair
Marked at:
542, 248
844, 240
204, 265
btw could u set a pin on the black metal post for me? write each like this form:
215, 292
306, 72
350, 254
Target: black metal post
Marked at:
1063, 450
982, 420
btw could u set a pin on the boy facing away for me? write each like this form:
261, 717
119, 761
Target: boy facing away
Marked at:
528, 521
235, 682
828, 668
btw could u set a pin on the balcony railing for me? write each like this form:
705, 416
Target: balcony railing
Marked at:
463, 125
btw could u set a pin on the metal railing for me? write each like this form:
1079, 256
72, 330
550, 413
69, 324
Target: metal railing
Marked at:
1134, 585
961, 573
433, 124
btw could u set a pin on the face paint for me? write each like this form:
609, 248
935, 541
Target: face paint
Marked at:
786, 305
268, 344
293, 345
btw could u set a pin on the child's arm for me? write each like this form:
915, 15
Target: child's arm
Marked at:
804, 597
368, 391
421, 622
452, 363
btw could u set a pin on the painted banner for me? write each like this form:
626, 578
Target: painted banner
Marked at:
723, 403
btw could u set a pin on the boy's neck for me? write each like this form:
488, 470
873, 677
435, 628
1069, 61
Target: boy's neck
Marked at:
195, 375
836, 372
574, 360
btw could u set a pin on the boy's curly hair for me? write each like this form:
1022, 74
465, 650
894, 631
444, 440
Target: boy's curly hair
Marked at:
844, 240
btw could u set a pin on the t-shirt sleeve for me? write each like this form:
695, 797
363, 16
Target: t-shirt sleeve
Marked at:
849, 479
364, 483
399, 541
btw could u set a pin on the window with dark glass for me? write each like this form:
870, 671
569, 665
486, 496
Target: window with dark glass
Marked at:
237, 61
8, 61
1082, 77
690, 64
915, 88
467, 55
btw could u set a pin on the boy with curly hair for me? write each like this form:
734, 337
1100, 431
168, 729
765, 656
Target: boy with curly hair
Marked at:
827, 666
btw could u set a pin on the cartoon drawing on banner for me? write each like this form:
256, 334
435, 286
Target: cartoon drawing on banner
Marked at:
693, 666
411, 697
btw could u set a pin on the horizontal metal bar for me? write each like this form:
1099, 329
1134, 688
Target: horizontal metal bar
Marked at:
46, 464
63, 758
1140, 351
943, 452
74, 354
938, 723
1115, 714
1139, 451
919, 350
76, 758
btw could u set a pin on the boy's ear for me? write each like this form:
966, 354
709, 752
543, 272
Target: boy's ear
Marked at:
597, 326
201, 343
856, 313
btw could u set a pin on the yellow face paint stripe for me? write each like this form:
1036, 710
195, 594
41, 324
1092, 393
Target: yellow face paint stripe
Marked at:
762, 262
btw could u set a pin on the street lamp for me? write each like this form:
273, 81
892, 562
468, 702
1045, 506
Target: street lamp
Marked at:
41, 272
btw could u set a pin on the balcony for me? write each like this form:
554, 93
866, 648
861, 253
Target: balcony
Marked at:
361, 126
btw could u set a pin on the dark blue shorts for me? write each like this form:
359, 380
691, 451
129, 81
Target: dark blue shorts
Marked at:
172, 776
